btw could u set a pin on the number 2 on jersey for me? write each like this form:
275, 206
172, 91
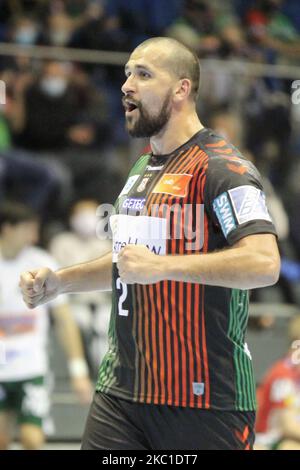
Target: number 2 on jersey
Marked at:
123, 287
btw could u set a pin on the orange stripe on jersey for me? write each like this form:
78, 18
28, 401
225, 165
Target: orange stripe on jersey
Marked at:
175, 345
170, 366
142, 369
154, 343
223, 151
161, 345
147, 345
205, 355
220, 143
180, 344
197, 324
184, 313
194, 310
241, 170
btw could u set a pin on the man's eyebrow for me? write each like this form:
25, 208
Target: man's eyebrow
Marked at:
138, 67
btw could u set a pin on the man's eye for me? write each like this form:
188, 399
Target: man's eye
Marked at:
144, 74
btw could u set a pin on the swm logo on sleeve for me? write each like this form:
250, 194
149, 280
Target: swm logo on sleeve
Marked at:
223, 210
249, 203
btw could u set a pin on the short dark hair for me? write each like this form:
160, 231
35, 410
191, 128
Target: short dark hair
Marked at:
182, 61
14, 213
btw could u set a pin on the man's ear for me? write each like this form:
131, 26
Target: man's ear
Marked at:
183, 90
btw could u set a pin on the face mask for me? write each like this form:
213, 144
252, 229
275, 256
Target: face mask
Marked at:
54, 86
84, 223
25, 36
59, 38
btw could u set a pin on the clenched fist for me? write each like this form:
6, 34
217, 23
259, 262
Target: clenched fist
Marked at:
137, 265
39, 286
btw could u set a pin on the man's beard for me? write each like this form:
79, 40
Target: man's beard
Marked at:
146, 125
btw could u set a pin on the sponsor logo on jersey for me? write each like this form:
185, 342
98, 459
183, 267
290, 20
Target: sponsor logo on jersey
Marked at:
143, 230
154, 168
129, 184
142, 186
249, 203
223, 210
173, 184
134, 203
198, 388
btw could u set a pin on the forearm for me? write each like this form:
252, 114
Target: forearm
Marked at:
94, 275
233, 268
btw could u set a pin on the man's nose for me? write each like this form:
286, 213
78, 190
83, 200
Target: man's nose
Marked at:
128, 86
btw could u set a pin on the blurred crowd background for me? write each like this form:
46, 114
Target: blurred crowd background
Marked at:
63, 145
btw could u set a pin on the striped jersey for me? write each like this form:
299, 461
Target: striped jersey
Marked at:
180, 343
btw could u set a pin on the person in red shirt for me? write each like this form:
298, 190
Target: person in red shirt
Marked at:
278, 419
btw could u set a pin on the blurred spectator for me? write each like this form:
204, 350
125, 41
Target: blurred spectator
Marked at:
24, 30
278, 420
268, 27
55, 111
141, 19
99, 32
33, 182
59, 30
22, 176
211, 30
92, 309
24, 333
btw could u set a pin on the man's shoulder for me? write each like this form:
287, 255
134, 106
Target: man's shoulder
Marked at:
224, 158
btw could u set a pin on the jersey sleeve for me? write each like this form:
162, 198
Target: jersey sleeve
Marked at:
234, 198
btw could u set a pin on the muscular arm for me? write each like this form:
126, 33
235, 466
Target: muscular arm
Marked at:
39, 286
252, 262
94, 275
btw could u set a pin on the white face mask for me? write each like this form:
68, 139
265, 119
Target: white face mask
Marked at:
54, 86
59, 37
26, 35
84, 223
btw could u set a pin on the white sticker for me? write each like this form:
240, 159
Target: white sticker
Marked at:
249, 203
198, 388
141, 230
2, 353
129, 184
282, 389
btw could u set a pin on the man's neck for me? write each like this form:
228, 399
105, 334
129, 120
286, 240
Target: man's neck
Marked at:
176, 133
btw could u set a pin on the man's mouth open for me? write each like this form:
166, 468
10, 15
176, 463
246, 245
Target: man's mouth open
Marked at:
130, 107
